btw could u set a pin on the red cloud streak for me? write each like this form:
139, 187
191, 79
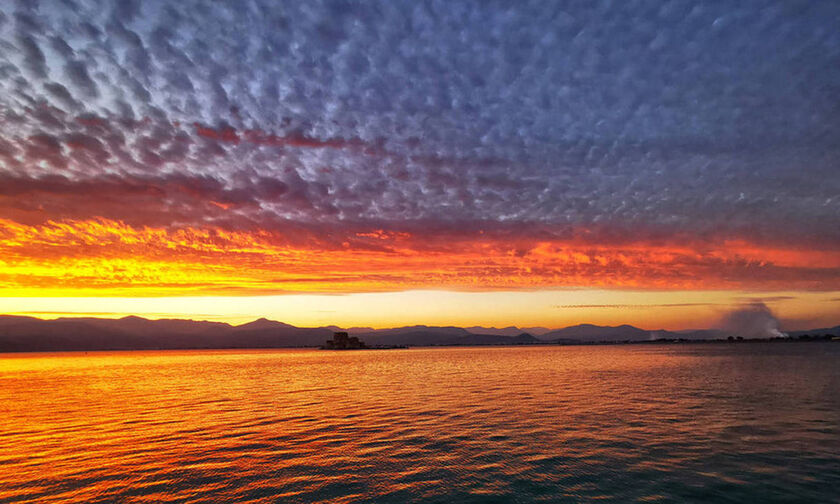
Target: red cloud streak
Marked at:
105, 257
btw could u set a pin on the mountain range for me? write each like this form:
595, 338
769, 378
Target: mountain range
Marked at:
29, 334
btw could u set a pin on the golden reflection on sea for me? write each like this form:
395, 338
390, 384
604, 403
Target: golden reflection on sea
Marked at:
530, 424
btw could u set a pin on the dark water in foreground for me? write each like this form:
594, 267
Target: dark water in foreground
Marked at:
711, 423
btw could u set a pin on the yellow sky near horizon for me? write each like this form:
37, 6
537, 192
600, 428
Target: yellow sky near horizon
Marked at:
673, 310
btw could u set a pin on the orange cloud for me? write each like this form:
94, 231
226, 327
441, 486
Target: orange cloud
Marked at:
105, 257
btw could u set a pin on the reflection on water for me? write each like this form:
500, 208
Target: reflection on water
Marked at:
732, 423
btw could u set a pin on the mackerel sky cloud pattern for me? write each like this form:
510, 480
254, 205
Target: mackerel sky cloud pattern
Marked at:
386, 145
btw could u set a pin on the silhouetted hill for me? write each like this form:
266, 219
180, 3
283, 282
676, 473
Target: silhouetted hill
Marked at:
18, 334
32, 334
589, 333
494, 339
355, 331
508, 331
22, 334
263, 324
15, 319
145, 327
419, 335
264, 333
833, 331
278, 337
432, 336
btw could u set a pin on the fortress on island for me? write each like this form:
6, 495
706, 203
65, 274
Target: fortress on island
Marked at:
342, 341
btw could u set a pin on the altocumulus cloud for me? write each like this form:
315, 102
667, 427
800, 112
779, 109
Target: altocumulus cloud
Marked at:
656, 122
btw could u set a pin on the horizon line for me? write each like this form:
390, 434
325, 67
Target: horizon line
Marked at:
81, 315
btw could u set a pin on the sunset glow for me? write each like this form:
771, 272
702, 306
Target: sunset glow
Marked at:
419, 251
108, 258
104, 258
164, 183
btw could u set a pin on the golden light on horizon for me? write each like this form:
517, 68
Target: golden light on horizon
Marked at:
546, 308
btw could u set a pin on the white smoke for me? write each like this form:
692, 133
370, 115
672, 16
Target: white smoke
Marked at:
752, 321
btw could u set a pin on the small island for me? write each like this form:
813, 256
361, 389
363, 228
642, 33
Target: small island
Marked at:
342, 341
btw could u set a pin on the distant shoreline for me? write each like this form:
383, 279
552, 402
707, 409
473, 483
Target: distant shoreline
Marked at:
409, 347
28, 334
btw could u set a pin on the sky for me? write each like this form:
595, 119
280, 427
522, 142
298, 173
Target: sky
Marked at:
387, 163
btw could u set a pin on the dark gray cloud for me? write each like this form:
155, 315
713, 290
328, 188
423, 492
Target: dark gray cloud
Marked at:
629, 120
77, 73
33, 57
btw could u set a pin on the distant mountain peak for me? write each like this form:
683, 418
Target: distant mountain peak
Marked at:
262, 323
592, 332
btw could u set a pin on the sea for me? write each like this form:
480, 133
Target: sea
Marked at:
739, 422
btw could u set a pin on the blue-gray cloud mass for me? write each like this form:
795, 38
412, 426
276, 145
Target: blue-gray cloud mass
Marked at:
652, 119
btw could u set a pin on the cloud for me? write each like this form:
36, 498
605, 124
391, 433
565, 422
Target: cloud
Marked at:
61, 94
115, 257
43, 147
584, 127
77, 74
34, 59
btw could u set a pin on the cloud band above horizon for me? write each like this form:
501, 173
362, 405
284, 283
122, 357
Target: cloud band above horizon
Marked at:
151, 148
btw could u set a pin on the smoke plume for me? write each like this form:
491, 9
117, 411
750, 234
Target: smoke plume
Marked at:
754, 320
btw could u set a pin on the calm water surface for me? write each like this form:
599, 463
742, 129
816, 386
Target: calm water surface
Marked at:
716, 423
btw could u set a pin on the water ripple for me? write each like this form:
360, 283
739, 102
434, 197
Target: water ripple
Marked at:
649, 424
